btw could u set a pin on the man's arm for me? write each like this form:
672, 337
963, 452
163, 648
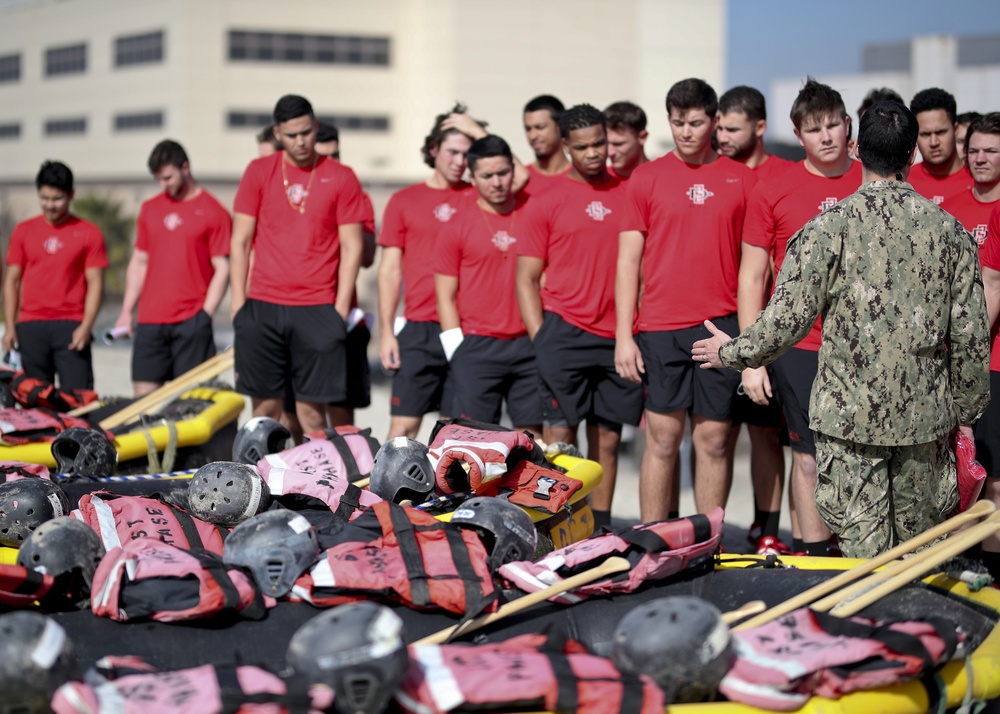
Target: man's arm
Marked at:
135, 277
991, 286
755, 265
474, 130
11, 305
529, 287
94, 278
217, 285
446, 287
628, 358
351, 247
969, 335
244, 230
390, 278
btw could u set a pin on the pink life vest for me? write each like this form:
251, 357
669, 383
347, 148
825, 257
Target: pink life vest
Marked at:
23, 426
208, 689
14, 470
521, 673
119, 519
655, 550
487, 454
780, 664
341, 457
346, 500
418, 560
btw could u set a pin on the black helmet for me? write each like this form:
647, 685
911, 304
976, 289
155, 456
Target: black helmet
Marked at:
402, 471
259, 437
227, 493
35, 659
680, 641
507, 531
84, 452
277, 546
64, 546
27, 503
359, 650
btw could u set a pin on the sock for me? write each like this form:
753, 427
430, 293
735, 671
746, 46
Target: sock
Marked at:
820, 547
758, 515
601, 518
769, 522
798, 545
673, 514
991, 560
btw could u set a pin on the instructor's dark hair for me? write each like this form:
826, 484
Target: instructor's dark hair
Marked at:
582, 116
693, 94
625, 115
486, 148
434, 140
167, 153
744, 99
55, 174
927, 100
816, 100
886, 138
292, 106
545, 101
879, 94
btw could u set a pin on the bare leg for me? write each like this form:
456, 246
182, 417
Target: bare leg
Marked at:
659, 476
403, 426
556, 434
340, 416
602, 447
767, 466
141, 389
291, 422
713, 477
312, 415
266, 407
811, 524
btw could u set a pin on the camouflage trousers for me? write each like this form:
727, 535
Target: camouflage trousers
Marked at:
875, 497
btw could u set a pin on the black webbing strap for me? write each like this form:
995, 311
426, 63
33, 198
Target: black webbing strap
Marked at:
406, 536
567, 696
899, 642
649, 540
475, 599
12, 469
350, 501
215, 569
233, 696
186, 522
633, 694
344, 449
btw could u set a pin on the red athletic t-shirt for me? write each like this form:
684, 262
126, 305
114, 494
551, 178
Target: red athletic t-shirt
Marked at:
540, 183
773, 166
297, 246
692, 217
412, 221
936, 189
780, 207
989, 257
181, 238
480, 249
53, 260
973, 214
573, 227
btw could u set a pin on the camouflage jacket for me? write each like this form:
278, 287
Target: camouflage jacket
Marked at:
906, 347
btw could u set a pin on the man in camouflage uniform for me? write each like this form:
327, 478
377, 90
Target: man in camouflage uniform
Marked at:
905, 352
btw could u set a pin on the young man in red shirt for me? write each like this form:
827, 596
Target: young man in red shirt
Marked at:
301, 214
778, 209
541, 128
940, 173
53, 287
740, 136
570, 234
974, 205
626, 138
490, 355
178, 273
682, 232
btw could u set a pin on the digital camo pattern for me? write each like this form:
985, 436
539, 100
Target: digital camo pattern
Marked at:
905, 353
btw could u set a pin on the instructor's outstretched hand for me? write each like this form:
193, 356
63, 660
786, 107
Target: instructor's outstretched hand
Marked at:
707, 351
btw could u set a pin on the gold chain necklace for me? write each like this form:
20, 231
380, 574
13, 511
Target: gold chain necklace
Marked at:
301, 208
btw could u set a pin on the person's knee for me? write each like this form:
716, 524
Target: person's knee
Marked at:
711, 440
404, 426
805, 465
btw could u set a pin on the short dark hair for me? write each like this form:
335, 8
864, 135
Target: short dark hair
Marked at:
55, 174
693, 94
625, 115
545, 101
967, 117
434, 140
816, 99
292, 106
581, 116
489, 146
879, 94
327, 132
266, 136
887, 135
167, 153
927, 100
986, 124
744, 99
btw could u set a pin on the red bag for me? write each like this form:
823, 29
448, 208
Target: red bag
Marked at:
970, 473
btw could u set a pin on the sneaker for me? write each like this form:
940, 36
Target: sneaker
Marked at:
754, 534
770, 545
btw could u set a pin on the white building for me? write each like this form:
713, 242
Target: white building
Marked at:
968, 67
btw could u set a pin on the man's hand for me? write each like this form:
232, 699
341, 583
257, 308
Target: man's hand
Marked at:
234, 307
124, 322
628, 360
81, 338
707, 351
10, 339
388, 351
967, 430
757, 385
465, 124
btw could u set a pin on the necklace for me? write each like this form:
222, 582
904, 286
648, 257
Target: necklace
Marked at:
501, 239
301, 208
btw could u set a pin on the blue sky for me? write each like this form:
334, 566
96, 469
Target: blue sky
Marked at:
770, 39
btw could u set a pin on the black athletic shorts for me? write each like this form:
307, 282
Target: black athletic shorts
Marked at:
675, 382
359, 375
485, 371
988, 431
303, 344
45, 352
578, 378
747, 411
421, 383
794, 374
161, 352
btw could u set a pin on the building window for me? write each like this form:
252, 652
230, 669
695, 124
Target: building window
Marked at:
10, 131
66, 60
10, 68
64, 127
313, 49
344, 122
138, 121
139, 49
978, 51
